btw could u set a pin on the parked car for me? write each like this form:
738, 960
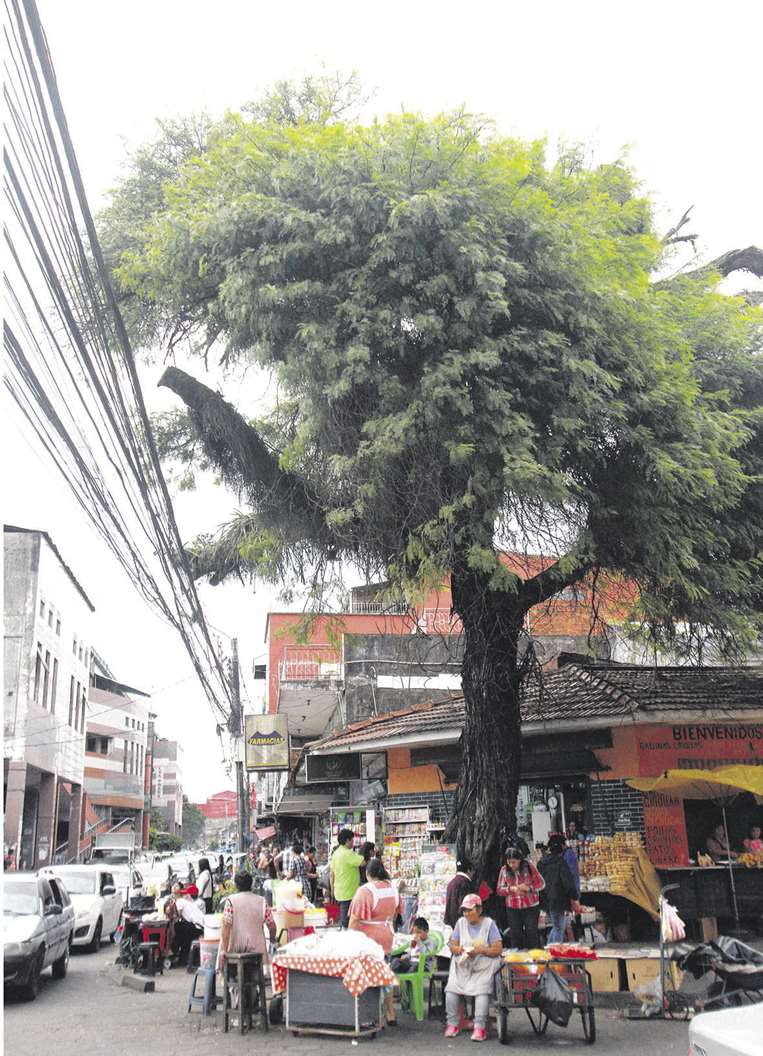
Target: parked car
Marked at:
96, 900
129, 881
727, 1032
38, 929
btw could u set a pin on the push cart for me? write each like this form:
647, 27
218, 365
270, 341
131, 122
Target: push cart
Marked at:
321, 1004
516, 983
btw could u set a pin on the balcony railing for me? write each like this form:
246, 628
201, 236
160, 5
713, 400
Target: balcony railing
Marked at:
378, 608
309, 664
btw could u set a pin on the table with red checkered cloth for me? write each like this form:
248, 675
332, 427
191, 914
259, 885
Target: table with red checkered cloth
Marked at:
357, 973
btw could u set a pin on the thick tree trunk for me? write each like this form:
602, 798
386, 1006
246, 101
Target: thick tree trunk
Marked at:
485, 807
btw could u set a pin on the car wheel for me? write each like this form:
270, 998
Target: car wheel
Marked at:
95, 943
61, 966
31, 988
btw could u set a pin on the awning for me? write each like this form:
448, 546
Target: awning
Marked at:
267, 833
305, 806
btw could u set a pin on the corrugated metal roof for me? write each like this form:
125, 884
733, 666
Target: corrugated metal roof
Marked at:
581, 692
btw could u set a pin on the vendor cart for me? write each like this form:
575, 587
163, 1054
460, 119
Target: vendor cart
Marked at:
516, 983
321, 1004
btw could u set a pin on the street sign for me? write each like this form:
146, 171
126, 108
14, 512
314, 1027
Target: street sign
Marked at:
266, 742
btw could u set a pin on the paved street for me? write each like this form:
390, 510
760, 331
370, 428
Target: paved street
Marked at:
89, 1012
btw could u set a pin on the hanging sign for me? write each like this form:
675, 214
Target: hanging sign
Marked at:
266, 742
345, 767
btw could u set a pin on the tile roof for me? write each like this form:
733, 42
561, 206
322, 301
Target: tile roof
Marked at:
581, 692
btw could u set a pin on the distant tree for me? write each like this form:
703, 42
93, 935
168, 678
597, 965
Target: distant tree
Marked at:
472, 355
193, 822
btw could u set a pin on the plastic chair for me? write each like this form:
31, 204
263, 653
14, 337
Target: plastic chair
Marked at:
413, 982
207, 1001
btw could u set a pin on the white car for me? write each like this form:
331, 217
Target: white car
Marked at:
727, 1032
129, 881
96, 900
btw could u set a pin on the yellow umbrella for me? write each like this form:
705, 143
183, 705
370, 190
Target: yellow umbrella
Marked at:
720, 786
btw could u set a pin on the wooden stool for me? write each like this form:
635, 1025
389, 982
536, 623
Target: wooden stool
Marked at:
244, 981
149, 959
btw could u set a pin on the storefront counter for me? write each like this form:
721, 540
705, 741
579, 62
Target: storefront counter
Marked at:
706, 891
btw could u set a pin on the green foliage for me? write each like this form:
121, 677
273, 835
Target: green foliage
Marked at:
474, 356
193, 823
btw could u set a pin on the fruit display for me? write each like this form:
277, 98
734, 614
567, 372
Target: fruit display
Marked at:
752, 859
577, 951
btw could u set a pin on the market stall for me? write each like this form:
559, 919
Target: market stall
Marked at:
732, 888
617, 868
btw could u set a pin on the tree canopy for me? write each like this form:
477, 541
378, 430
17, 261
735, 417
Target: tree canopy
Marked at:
472, 354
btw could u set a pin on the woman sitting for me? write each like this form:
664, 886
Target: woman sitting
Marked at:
243, 918
476, 947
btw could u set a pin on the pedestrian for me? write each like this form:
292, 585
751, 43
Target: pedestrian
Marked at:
560, 890
367, 851
373, 910
298, 871
458, 888
220, 870
205, 884
519, 882
245, 915
475, 947
345, 874
312, 873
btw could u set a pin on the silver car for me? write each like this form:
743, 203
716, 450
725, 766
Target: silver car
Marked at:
38, 928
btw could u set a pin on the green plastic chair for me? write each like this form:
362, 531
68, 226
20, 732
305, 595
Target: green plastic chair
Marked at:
413, 982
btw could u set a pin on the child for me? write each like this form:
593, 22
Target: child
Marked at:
753, 844
421, 944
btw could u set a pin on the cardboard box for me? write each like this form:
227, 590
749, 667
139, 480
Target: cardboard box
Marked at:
642, 970
605, 974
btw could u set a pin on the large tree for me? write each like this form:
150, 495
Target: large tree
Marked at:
471, 355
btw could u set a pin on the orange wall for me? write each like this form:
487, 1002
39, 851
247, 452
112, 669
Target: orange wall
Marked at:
402, 777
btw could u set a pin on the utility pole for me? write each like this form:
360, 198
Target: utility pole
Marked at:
237, 730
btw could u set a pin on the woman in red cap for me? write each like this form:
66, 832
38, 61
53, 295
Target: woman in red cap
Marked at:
476, 947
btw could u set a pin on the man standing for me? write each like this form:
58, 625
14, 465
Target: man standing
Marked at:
345, 874
458, 888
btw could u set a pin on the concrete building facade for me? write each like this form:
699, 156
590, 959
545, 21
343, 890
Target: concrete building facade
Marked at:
47, 654
167, 783
116, 751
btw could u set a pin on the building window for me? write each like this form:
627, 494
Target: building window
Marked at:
58, 625
84, 709
71, 700
42, 608
90, 743
46, 679
53, 686
74, 645
76, 708
79, 652
37, 673
50, 617
124, 757
127, 722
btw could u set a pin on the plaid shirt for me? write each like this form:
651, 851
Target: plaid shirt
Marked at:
299, 869
508, 879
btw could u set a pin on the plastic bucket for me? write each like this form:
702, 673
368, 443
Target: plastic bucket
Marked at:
208, 952
213, 926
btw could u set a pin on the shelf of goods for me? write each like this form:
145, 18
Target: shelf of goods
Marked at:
406, 829
438, 866
353, 818
607, 862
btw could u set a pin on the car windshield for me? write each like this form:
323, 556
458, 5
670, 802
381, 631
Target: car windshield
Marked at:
79, 883
20, 899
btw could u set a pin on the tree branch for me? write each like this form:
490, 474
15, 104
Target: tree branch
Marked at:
749, 259
551, 580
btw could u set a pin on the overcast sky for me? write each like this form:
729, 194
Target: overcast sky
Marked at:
676, 83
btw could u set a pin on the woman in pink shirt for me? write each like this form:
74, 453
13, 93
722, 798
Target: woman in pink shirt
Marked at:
373, 911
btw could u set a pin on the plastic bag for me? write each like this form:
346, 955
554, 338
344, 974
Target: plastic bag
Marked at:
553, 997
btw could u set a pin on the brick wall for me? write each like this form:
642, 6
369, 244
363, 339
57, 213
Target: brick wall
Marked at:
616, 808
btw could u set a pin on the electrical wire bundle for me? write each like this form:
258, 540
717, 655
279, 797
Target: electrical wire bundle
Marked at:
69, 365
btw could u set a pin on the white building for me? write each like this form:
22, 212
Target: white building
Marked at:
167, 790
47, 652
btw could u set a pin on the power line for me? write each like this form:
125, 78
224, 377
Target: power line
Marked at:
70, 368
